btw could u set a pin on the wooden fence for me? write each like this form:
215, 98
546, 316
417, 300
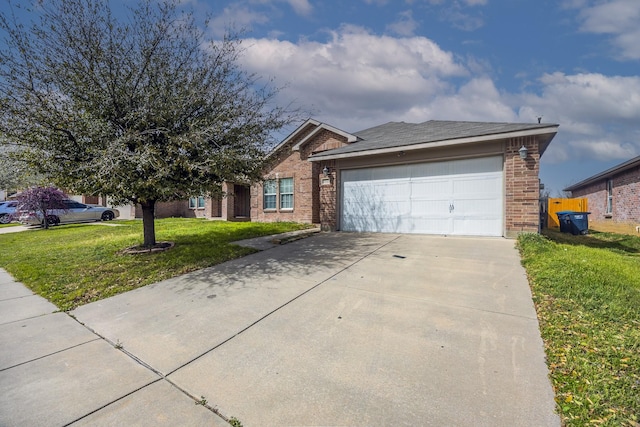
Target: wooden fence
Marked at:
558, 205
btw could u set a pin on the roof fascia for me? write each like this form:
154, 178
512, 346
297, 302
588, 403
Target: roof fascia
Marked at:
606, 174
323, 126
443, 143
293, 135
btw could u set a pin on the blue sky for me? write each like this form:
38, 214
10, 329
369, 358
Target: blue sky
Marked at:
359, 63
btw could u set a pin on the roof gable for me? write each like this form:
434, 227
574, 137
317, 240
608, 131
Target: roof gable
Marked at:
317, 128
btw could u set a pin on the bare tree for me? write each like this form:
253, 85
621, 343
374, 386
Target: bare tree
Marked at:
142, 109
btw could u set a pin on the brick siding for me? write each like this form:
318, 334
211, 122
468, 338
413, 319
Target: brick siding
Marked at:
626, 198
306, 179
522, 187
178, 208
328, 199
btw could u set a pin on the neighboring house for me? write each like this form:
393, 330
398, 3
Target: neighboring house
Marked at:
233, 207
436, 177
613, 195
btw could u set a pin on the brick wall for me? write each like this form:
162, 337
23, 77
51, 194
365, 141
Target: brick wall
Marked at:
328, 198
522, 187
596, 195
179, 208
306, 180
626, 198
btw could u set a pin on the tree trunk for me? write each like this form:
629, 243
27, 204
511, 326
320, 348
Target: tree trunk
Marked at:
45, 219
148, 222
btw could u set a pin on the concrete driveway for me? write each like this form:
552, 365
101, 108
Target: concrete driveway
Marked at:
335, 329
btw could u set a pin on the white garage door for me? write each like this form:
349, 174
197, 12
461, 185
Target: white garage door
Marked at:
458, 197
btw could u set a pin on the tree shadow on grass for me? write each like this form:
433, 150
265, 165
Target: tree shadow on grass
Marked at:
617, 242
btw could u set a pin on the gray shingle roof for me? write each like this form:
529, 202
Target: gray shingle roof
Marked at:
401, 134
629, 164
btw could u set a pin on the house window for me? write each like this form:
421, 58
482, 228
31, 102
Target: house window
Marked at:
609, 197
270, 195
196, 202
286, 193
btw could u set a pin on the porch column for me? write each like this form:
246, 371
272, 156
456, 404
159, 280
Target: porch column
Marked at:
522, 187
228, 201
328, 198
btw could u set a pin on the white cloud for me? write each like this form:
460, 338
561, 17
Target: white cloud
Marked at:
243, 15
405, 25
598, 115
301, 7
356, 75
603, 149
593, 97
619, 18
237, 16
477, 100
461, 19
356, 79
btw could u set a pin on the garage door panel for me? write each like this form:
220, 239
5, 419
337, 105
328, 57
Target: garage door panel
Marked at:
481, 208
375, 206
475, 227
429, 170
435, 188
475, 184
454, 197
476, 165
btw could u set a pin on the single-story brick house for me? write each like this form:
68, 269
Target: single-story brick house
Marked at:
436, 177
613, 195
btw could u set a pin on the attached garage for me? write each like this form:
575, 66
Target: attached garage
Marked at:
456, 197
435, 177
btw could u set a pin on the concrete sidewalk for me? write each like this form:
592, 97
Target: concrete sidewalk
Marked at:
16, 229
334, 329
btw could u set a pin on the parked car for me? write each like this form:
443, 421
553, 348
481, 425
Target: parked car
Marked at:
7, 211
74, 212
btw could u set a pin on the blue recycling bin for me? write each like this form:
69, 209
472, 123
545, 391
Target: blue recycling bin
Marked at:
573, 222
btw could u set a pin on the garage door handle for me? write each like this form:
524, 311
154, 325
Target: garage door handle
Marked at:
451, 208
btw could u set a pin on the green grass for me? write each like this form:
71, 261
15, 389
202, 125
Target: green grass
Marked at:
587, 294
72, 265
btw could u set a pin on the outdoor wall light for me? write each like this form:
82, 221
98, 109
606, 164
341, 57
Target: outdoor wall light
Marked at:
523, 152
325, 171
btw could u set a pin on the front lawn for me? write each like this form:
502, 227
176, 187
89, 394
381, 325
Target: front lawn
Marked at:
587, 294
72, 265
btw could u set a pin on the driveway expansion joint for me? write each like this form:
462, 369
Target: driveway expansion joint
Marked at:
161, 377
49, 354
282, 306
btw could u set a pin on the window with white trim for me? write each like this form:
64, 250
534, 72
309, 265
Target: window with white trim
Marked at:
269, 194
609, 209
196, 202
286, 193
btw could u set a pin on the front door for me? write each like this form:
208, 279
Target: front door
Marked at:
242, 201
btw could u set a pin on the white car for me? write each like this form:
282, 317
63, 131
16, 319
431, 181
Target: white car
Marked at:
74, 212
